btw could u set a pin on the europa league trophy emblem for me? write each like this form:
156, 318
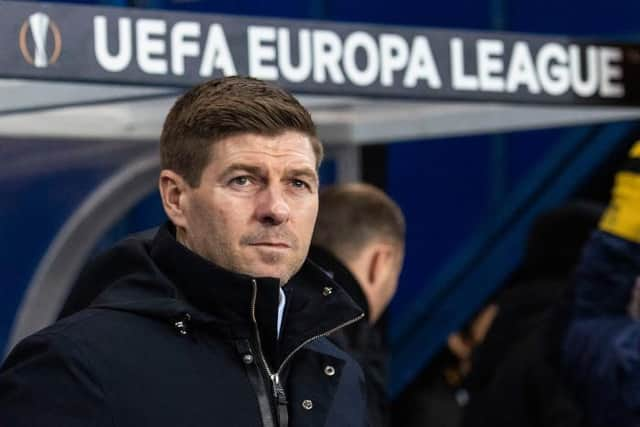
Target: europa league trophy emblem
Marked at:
39, 23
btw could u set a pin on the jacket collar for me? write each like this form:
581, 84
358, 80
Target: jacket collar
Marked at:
341, 274
207, 287
316, 304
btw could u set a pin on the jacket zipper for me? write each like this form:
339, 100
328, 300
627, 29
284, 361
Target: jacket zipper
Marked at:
278, 390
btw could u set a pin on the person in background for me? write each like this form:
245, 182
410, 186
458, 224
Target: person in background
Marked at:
220, 319
517, 376
437, 396
503, 368
601, 351
359, 241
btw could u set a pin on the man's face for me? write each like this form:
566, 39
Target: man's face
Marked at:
256, 205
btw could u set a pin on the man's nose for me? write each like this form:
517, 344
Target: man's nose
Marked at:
272, 207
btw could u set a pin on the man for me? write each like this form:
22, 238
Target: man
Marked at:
359, 240
219, 320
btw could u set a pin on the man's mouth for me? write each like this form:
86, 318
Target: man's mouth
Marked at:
274, 245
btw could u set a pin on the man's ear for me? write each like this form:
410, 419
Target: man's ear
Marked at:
380, 265
173, 191
380, 277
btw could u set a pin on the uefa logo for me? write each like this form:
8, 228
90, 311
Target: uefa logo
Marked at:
40, 40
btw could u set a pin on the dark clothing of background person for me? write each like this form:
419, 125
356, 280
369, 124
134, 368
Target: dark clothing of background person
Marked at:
529, 387
434, 398
602, 347
517, 376
176, 341
365, 342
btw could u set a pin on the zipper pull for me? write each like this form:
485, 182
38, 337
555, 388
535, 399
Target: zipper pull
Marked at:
278, 390
182, 325
281, 400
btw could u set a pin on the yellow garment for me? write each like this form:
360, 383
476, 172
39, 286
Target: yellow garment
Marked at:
622, 216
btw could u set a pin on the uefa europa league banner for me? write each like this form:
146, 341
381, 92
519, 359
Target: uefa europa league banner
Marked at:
133, 46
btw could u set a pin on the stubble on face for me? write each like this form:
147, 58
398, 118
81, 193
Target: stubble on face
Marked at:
281, 234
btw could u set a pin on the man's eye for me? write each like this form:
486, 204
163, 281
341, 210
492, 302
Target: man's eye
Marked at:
240, 180
298, 183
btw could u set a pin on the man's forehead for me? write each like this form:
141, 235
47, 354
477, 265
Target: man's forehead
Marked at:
288, 147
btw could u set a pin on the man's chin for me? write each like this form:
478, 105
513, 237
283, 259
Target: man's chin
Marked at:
274, 264
282, 273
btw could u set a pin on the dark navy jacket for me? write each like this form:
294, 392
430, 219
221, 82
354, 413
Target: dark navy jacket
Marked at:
361, 340
176, 341
602, 346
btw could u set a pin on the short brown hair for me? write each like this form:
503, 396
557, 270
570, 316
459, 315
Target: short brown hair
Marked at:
353, 215
224, 107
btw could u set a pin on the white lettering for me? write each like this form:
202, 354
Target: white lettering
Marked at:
589, 85
610, 71
180, 47
148, 46
355, 41
552, 69
259, 52
217, 54
394, 53
327, 50
288, 70
121, 60
422, 65
521, 70
489, 64
459, 79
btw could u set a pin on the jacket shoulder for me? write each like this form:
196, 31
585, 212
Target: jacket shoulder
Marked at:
51, 371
